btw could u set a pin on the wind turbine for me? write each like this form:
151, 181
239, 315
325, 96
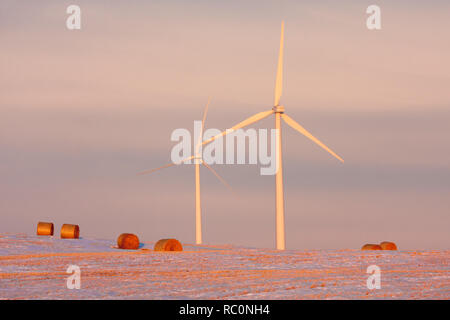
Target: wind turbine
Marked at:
197, 157
278, 110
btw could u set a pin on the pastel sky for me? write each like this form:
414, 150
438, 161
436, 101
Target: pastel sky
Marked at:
81, 112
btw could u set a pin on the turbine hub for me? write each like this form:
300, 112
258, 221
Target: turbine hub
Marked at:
278, 109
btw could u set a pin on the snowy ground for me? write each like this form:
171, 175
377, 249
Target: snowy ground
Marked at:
33, 267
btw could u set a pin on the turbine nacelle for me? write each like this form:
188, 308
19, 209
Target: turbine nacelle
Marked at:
278, 109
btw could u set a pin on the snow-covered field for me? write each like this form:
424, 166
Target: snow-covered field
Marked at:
33, 267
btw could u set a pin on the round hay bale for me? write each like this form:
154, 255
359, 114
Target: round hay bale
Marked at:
168, 245
44, 229
70, 231
128, 241
370, 246
386, 245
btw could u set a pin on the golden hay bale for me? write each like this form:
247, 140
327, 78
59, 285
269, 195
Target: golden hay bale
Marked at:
370, 246
44, 229
168, 245
386, 245
70, 231
128, 241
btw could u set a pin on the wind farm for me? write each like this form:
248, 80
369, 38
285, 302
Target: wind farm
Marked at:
103, 187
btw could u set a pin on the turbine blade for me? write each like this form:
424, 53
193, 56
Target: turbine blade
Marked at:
279, 79
165, 166
205, 112
200, 138
218, 176
246, 122
291, 122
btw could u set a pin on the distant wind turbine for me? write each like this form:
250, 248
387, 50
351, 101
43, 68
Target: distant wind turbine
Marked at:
197, 157
278, 110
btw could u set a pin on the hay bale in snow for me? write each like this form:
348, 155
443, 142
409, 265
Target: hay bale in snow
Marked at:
370, 246
70, 231
168, 245
44, 229
386, 245
128, 241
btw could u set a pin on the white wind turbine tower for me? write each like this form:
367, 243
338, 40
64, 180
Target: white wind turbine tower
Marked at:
197, 161
278, 110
